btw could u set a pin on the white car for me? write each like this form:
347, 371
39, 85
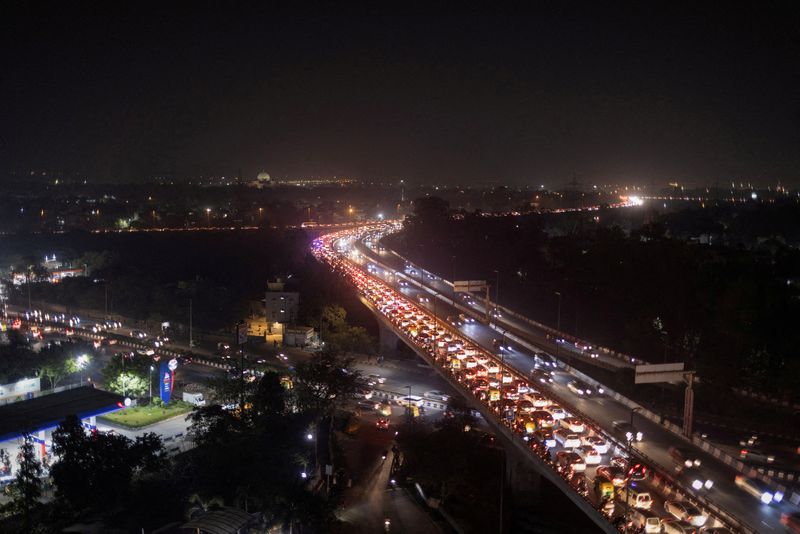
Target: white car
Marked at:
556, 411
567, 439
596, 442
573, 424
684, 511
438, 395
589, 454
756, 488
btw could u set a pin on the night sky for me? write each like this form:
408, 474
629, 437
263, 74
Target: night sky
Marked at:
615, 93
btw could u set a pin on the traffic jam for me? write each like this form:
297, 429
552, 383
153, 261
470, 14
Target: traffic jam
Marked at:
593, 463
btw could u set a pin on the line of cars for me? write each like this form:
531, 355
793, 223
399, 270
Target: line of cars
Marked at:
565, 441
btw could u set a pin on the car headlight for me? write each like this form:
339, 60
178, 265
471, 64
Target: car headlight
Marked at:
766, 497
629, 436
709, 484
697, 484
697, 463
601, 391
778, 497
639, 436
687, 463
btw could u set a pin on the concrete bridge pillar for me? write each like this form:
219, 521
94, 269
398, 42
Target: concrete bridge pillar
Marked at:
387, 341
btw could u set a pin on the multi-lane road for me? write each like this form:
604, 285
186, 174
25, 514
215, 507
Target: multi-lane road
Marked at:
434, 296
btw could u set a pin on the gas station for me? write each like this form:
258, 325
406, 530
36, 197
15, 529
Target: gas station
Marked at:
40, 415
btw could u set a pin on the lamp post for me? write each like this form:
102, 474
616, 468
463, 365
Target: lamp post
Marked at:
208, 217
496, 294
122, 376
558, 323
151, 383
81, 362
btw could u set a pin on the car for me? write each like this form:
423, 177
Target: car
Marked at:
638, 471
589, 454
367, 405
636, 496
578, 481
670, 525
282, 357
545, 437
546, 360
138, 334
624, 428
567, 461
573, 424
619, 461
684, 511
376, 379
755, 487
542, 376
580, 388
750, 454
567, 439
437, 395
598, 443
363, 393
645, 520
538, 401
614, 474
382, 424
543, 418
684, 457
557, 411
410, 400
791, 522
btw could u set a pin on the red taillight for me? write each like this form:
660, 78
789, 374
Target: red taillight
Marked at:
744, 452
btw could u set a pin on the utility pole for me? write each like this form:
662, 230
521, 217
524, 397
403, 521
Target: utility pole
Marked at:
191, 343
241, 339
558, 324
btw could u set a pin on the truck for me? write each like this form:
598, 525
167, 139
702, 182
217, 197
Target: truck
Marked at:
194, 398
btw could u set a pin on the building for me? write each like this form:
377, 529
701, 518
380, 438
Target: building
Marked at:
262, 181
281, 306
298, 336
269, 316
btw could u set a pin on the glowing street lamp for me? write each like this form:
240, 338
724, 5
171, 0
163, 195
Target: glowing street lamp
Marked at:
208, 216
81, 362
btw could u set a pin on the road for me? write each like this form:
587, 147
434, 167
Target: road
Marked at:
601, 409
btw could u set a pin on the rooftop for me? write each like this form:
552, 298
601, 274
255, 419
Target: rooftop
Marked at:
48, 411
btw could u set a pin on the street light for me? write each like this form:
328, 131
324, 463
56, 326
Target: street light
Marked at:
80, 363
558, 324
151, 383
208, 216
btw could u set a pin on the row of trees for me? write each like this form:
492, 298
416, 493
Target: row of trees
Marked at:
55, 363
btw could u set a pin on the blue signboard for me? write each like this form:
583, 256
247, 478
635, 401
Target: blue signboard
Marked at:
165, 381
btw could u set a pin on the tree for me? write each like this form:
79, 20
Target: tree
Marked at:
95, 471
340, 336
26, 489
129, 384
325, 381
128, 374
58, 362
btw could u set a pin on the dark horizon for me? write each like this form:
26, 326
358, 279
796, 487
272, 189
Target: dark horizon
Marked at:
648, 94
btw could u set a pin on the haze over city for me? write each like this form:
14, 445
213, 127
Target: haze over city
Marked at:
646, 94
